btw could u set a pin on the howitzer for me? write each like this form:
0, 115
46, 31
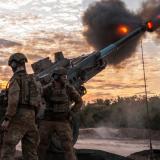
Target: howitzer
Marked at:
83, 68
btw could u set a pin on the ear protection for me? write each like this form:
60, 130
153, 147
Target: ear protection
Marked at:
13, 64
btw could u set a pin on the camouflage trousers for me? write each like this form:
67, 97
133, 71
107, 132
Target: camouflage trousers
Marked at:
28, 135
47, 130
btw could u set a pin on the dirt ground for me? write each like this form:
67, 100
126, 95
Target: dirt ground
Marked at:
119, 141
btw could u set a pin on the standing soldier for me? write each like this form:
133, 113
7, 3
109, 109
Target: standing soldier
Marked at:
58, 96
19, 121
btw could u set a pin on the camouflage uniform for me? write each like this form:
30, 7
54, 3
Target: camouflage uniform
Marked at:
56, 121
22, 120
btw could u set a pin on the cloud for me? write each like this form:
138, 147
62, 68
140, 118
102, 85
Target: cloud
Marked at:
5, 73
8, 43
34, 57
71, 44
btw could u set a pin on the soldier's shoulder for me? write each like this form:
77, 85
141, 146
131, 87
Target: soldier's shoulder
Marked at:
13, 85
13, 80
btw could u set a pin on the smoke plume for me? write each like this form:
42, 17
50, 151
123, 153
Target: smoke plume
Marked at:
102, 19
150, 9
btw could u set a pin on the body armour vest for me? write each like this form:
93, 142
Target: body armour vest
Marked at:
29, 90
58, 100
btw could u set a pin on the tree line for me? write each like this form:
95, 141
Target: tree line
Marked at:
127, 112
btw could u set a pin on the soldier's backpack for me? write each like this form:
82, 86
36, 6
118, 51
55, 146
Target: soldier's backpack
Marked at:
30, 90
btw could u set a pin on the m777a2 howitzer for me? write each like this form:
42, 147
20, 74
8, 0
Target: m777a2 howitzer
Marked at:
80, 70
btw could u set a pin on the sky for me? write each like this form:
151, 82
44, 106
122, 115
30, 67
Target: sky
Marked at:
39, 28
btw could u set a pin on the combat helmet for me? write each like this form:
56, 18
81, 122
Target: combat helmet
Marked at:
18, 58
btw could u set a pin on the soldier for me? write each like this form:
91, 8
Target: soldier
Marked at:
19, 121
58, 95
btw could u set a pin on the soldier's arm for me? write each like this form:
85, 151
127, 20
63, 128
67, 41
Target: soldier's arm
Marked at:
76, 98
46, 90
13, 99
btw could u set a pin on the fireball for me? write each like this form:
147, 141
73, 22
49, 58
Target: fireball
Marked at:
123, 30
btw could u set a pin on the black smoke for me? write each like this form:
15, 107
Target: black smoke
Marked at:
101, 21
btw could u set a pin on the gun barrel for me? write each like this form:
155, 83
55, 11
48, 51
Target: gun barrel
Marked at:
149, 26
115, 46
